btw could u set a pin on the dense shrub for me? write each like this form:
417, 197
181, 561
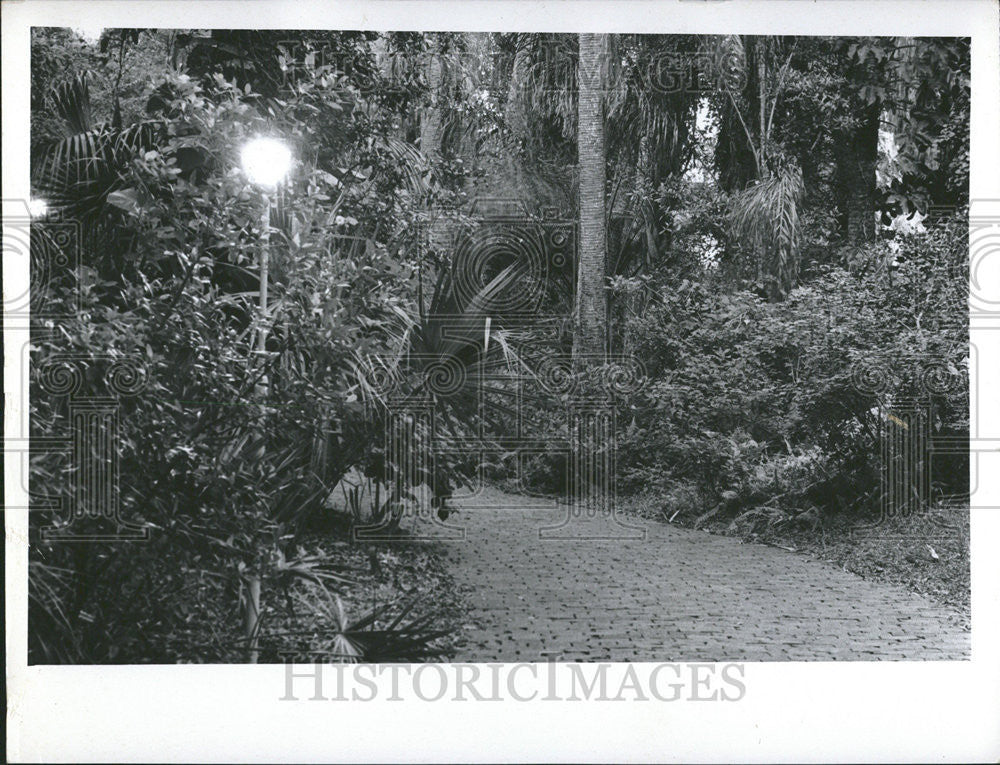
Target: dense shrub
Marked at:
750, 401
226, 449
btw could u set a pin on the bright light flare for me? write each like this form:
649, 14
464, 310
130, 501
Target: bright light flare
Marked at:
91, 33
266, 161
38, 208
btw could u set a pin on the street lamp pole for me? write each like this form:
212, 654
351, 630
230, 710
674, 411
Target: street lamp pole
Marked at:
266, 161
251, 608
265, 257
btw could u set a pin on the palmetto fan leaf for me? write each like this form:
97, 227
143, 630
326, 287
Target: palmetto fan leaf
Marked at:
54, 634
729, 58
644, 104
459, 332
78, 171
363, 638
453, 327
543, 80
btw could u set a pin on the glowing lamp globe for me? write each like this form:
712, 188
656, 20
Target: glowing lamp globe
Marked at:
38, 208
266, 161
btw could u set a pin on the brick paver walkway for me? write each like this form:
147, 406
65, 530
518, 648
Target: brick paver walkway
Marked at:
677, 595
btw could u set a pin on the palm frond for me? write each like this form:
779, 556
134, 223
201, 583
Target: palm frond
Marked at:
767, 214
411, 163
71, 100
77, 172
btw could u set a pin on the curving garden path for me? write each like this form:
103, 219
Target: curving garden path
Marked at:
656, 592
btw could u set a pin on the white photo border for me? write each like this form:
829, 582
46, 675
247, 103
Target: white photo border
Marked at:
792, 711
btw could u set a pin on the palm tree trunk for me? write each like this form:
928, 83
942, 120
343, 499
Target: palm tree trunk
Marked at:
591, 304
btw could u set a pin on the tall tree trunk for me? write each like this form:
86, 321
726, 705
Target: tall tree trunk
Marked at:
591, 304
431, 139
645, 187
763, 169
515, 111
856, 163
430, 115
898, 108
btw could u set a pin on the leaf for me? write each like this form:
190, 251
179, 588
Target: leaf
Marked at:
125, 199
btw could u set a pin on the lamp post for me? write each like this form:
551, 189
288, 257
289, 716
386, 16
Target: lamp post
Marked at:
266, 162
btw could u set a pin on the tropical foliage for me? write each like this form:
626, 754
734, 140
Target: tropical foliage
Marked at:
739, 206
